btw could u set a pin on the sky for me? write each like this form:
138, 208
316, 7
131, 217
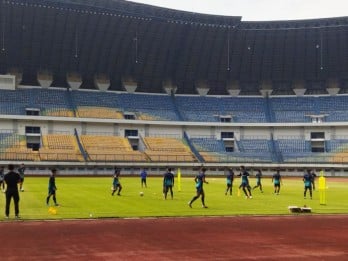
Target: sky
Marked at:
259, 10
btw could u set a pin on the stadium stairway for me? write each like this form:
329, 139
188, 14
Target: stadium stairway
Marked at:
71, 102
269, 113
181, 118
82, 150
193, 149
276, 153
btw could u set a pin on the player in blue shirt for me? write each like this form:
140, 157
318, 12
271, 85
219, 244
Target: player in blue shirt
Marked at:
116, 185
258, 180
245, 182
307, 180
168, 183
143, 176
277, 180
229, 180
199, 180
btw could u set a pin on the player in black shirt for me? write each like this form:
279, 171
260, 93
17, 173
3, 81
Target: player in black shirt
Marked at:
168, 183
52, 188
229, 181
12, 179
116, 184
199, 180
258, 180
277, 180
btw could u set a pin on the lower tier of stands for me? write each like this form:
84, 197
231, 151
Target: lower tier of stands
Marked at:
98, 148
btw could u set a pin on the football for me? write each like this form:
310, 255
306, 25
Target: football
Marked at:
141, 194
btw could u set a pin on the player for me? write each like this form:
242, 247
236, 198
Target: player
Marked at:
21, 171
12, 179
52, 188
229, 181
307, 180
277, 180
258, 180
143, 176
314, 175
2, 175
116, 185
199, 180
245, 182
168, 183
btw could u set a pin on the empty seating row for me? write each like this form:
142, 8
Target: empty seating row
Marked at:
60, 147
110, 148
168, 150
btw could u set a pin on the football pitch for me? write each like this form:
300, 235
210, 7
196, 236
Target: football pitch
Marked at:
90, 197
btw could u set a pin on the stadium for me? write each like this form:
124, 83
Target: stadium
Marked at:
89, 85
169, 87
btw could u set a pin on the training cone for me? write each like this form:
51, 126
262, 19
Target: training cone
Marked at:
52, 210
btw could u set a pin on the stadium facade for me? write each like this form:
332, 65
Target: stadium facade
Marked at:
91, 84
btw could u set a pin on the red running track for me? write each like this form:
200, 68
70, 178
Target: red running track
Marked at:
303, 237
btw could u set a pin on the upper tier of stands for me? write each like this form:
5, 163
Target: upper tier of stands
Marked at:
97, 104
143, 106
50, 102
209, 109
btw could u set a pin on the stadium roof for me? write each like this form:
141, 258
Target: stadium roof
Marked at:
121, 40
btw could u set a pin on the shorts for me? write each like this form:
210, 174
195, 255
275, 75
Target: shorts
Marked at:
199, 190
244, 185
167, 187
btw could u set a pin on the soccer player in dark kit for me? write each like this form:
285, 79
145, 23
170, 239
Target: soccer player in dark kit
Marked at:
199, 180
244, 174
116, 185
229, 181
307, 179
258, 180
277, 180
52, 188
168, 183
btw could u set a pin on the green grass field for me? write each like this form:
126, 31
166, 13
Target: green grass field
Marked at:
83, 197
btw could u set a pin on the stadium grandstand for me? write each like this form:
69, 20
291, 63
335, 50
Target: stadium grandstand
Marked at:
86, 85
